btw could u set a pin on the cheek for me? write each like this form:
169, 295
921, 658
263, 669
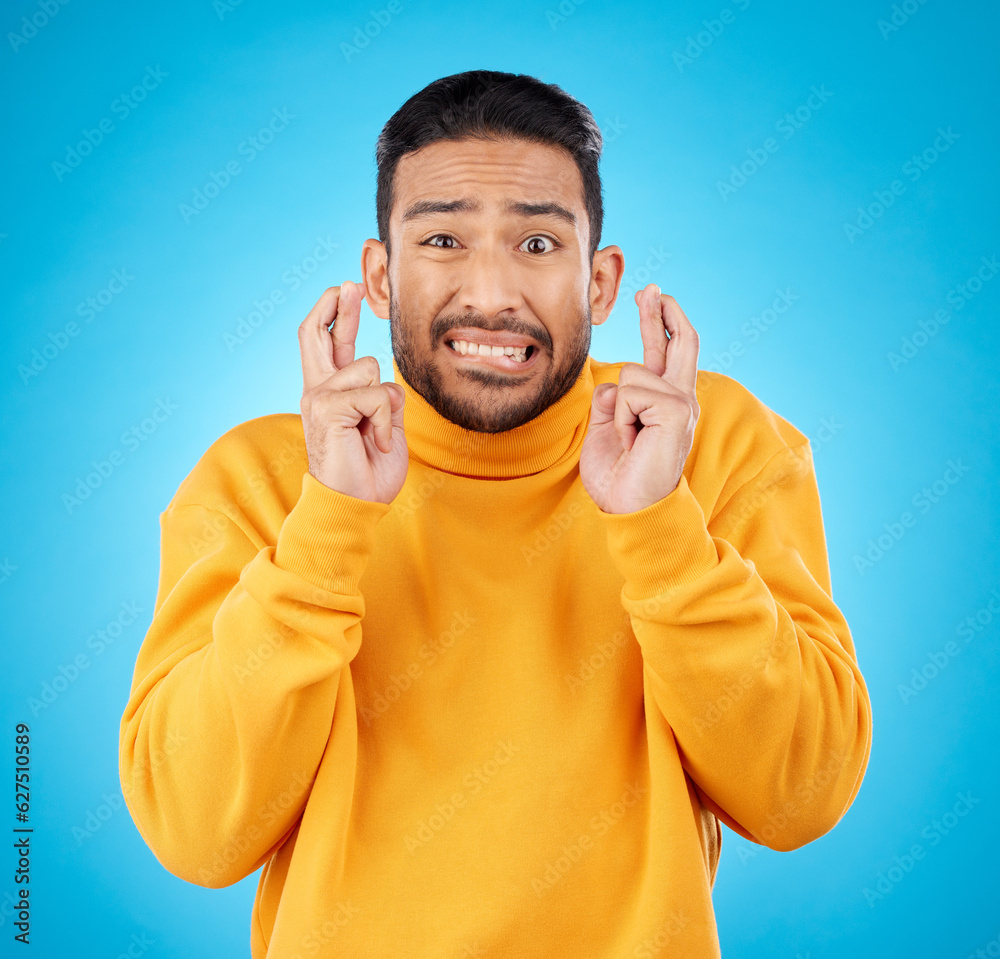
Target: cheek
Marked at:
555, 301
425, 294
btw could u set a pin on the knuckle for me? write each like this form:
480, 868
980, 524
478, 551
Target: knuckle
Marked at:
312, 403
334, 398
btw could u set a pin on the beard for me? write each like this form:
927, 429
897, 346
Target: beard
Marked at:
499, 402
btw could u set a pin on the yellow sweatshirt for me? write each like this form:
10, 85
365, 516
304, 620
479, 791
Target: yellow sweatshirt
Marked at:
489, 719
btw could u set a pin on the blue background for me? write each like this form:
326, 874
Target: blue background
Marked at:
674, 128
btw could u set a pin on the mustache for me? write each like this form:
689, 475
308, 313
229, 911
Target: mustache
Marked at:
442, 324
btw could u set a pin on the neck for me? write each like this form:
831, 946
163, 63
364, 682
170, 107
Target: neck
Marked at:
554, 435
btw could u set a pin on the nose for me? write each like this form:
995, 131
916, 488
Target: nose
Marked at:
490, 283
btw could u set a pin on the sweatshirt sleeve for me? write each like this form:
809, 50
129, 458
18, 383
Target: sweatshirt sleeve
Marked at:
239, 680
746, 655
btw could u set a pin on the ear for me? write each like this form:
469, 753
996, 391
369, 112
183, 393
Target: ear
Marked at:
609, 267
375, 276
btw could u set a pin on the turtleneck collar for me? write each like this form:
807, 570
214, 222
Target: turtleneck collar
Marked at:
552, 436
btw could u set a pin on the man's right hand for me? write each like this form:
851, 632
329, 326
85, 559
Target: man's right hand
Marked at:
353, 424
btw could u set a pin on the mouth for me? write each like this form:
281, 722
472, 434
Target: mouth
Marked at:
501, 351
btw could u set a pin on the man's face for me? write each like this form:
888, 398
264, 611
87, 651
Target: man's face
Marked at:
465, 267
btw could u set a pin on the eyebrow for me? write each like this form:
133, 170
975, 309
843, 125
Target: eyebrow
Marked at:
424, 208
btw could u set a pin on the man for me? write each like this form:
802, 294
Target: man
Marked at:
475, 662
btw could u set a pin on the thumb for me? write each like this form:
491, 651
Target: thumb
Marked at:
397, 399
603, 404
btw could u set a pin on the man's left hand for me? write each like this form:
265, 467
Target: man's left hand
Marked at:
641, 430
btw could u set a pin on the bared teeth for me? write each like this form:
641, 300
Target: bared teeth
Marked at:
518, 353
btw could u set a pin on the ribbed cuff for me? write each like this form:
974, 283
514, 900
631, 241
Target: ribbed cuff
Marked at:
328, 537
664, 545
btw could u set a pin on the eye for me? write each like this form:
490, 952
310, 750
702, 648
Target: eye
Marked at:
430, 240
541, 236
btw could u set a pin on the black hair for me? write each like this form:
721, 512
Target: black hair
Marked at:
489, 104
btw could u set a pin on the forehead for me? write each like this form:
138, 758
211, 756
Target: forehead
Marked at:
492, 172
